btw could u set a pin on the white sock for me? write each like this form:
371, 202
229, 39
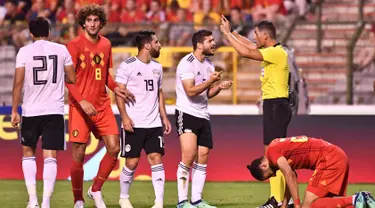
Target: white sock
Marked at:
183, 176
198, 179
126, 179
49, 178
158, 180
29, 173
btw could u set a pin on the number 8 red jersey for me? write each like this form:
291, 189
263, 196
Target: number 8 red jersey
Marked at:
91, 62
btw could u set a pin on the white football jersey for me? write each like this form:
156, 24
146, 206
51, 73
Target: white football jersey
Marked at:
144, 80
43, 85
191, 68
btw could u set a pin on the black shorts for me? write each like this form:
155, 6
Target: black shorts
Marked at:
149, 139
50, 127
276, 118
201, 127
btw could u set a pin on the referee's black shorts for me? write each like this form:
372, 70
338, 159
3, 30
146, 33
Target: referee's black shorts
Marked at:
276, 117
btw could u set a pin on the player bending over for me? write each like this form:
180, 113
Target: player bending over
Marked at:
327, 186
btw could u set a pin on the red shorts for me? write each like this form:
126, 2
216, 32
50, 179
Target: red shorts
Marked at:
80, 124
330, 177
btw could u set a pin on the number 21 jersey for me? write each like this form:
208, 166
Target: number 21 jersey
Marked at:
43, 84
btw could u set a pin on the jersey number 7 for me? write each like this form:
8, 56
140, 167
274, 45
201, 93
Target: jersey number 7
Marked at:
44, 68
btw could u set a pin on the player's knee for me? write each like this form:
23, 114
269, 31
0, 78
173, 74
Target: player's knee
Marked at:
113, 150
188, 158
131, 163
154, 158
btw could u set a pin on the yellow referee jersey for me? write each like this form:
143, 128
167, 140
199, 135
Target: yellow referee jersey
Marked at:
275, 72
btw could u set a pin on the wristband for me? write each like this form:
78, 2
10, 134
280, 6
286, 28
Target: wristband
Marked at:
297, 202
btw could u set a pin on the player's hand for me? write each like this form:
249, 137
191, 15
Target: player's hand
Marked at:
167, 126
16, 119
88, 108
225, 25
225, 85
215, 76
125, 94
128, 124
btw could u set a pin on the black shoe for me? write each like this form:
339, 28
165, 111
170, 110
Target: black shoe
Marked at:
291, 205
271, 203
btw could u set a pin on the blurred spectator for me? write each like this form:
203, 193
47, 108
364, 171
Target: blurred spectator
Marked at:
206, 15
271, 10
24, 6
171, 11
156, 13
113, 10
3, 11
298, 7
130, 14
12, 25
69, 30
39, 10
81, 3
237, 21
180, 33
62, 12
185, 4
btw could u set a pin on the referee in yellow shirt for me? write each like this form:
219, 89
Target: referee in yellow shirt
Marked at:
275, 89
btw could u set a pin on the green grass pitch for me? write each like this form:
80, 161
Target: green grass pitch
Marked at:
226, 195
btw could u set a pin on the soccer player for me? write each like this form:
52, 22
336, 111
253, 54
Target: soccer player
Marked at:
196, 82
275, 88
142, 122
330, 178
90, 108
40, 69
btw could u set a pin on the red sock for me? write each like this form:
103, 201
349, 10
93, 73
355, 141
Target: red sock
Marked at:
329, 202
105, 168
76, 174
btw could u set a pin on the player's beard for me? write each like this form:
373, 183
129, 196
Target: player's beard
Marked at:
155, 53
207, 52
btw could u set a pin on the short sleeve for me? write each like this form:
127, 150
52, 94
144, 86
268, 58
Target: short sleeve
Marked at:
21, 59
186, 71
67, 58
122, 73
270, 54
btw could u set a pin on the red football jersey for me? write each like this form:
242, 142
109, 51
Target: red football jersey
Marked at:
92, 63
302, 152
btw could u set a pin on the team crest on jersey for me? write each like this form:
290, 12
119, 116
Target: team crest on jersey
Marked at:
208, 70
97, 59
156, 72
75, 133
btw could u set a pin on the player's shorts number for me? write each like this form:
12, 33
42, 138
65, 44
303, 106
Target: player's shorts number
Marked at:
98, 74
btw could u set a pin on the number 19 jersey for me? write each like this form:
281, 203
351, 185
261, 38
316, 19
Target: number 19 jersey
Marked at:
43, 84
144, 80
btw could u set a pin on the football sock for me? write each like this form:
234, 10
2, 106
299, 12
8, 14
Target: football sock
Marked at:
76, 174
183, 174
105, 168
126, 179
198, 179
278, 186
330, 202
29, 173
49, 178
158, 180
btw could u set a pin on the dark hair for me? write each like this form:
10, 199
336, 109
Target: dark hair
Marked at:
198, 37
39, 27
143, 37
14, 2
238, 9
269, 26
255, 169
91, 9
